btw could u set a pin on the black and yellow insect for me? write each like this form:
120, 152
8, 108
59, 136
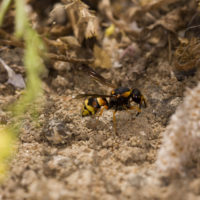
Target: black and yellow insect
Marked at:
119, 99
92, 105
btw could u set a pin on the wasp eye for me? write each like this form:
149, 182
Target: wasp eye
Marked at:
136, 93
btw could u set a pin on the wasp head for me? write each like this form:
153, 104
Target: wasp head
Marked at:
138, 98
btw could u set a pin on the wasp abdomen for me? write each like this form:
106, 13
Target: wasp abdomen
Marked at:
92, 105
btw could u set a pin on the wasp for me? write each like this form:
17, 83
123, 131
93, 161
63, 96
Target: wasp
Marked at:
119, 99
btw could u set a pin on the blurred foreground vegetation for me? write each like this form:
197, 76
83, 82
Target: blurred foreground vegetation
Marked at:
34, 67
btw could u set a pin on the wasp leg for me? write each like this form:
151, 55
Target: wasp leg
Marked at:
125, 108
114, 121
135, 108
102, 109
143, 100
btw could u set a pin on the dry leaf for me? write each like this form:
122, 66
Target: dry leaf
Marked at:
183, 40
106, 8
92, 28
186, 58
83, 21
155, 4
172, 21
102, 58
71, 41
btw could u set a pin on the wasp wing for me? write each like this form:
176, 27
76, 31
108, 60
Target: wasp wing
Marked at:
91, 95
97, 77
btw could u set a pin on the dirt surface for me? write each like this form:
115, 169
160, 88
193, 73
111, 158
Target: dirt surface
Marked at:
62, 155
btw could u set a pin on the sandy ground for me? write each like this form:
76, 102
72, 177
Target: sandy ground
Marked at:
64, 156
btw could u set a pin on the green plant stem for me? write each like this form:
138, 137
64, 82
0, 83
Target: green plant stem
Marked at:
4, 7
